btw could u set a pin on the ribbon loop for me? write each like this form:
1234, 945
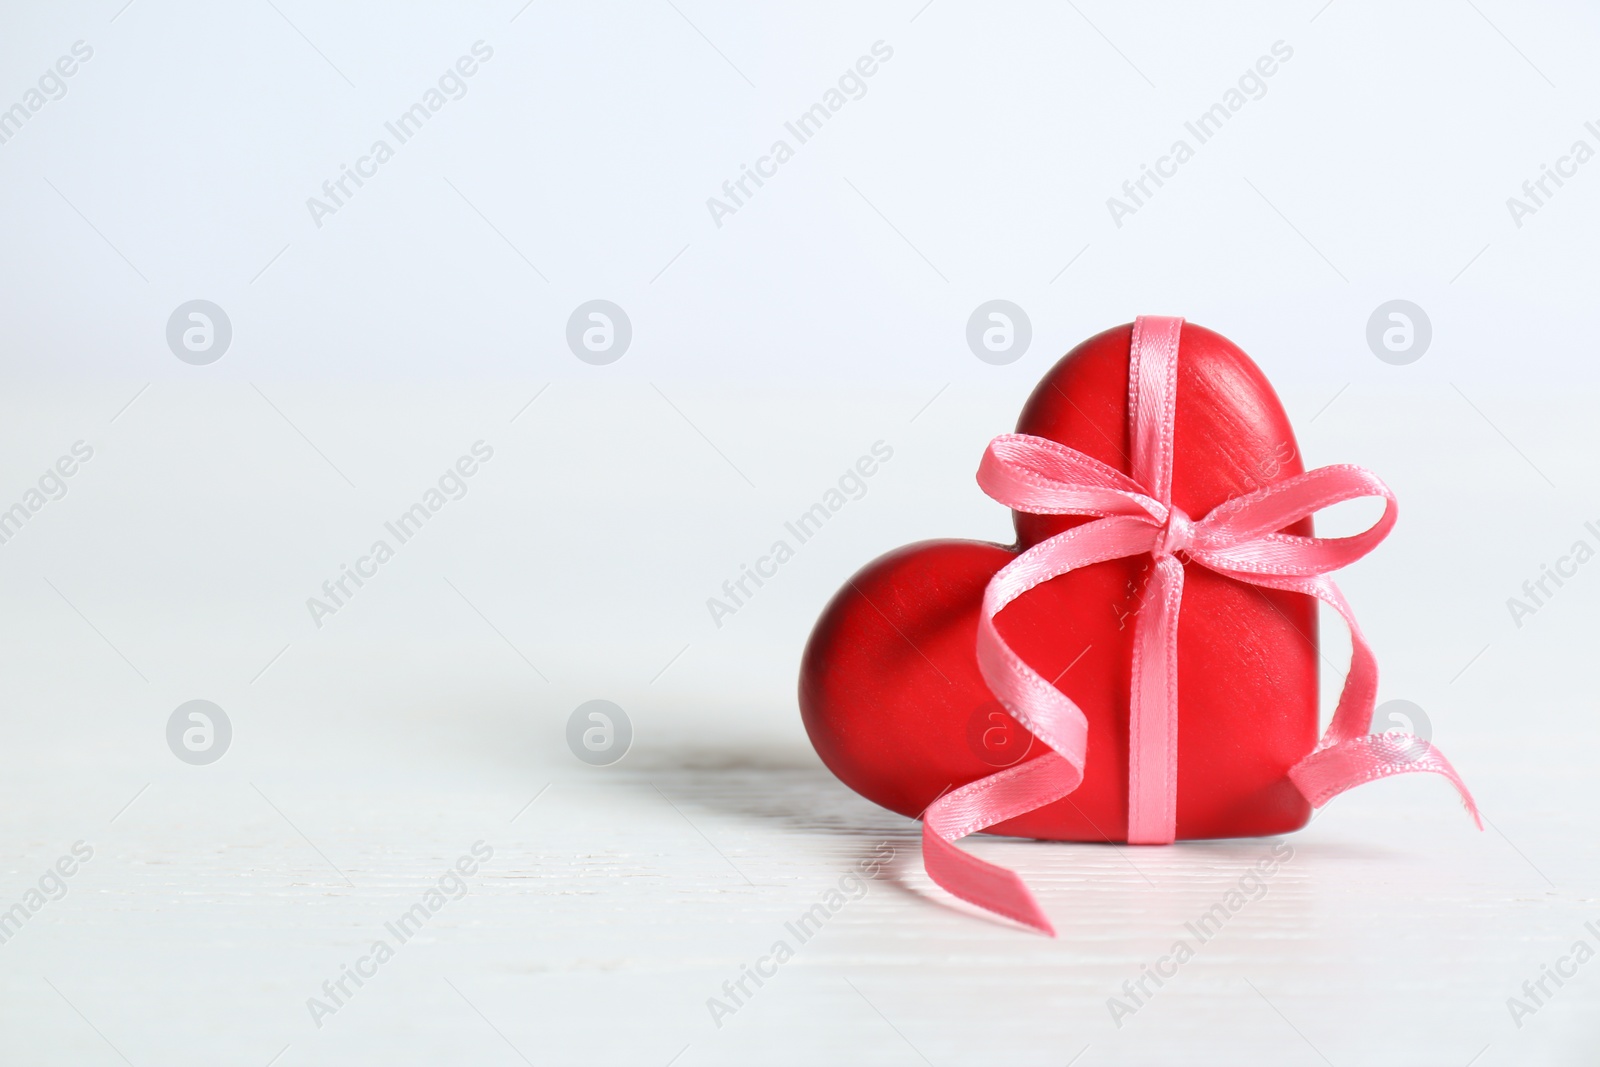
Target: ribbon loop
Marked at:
1044, 477
1242, 538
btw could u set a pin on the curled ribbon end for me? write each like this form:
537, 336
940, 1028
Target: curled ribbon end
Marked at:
978, 882
1330, 771
1030, 914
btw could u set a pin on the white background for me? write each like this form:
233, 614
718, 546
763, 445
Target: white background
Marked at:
768, 353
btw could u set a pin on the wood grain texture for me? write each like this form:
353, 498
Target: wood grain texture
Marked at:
376, 750
622, 899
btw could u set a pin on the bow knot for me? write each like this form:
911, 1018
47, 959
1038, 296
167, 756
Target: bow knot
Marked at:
1177, 533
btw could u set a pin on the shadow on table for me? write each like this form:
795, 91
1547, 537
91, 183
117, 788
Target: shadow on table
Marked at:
785, 787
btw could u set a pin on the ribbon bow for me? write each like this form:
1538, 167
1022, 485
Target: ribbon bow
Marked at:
1135, 515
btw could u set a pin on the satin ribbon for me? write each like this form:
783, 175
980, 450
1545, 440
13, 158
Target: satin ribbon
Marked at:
1134, 516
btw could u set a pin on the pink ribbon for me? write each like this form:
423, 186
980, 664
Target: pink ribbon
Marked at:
1135, 515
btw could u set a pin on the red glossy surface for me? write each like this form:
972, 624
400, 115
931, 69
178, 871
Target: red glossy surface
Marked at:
889, 684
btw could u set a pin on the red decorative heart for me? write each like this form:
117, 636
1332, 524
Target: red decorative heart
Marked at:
889, 683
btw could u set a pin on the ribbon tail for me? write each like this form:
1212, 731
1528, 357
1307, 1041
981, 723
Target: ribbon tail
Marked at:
1329, 771
1348, 755
979, 882
981, 804
1043, 711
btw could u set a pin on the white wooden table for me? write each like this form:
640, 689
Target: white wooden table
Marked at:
370, 755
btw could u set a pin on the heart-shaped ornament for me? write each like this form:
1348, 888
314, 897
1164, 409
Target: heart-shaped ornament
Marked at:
1164, 560
889, 685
